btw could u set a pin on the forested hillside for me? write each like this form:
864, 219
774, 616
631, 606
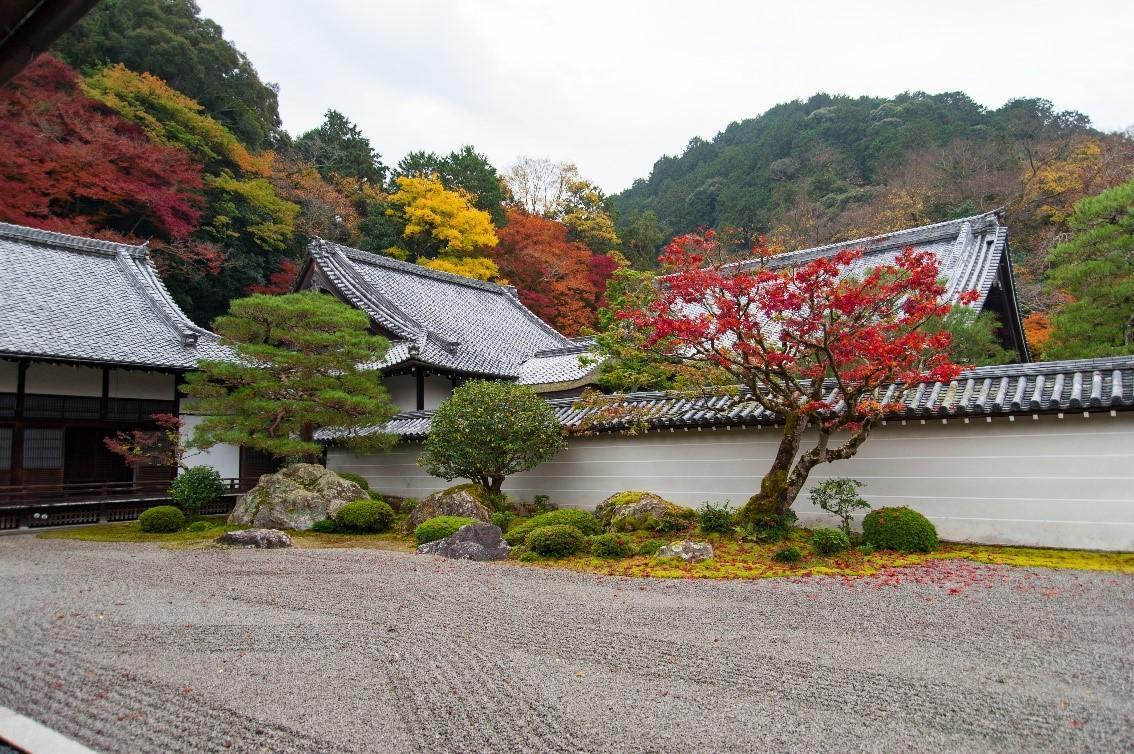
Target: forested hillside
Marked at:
834, 168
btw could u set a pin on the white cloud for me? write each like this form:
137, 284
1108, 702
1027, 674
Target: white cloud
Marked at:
612, 85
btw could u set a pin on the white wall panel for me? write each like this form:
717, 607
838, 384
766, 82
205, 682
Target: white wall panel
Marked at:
63, 379
1048, 482
403, 391
9, 376
130, 383
437, 389
224, 458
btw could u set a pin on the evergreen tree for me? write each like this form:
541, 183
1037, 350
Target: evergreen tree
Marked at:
338, 148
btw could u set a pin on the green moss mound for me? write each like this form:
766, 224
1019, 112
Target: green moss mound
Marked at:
367, 516
650, 547
557, 541
636, 510
829, 541
350, 476
581, 520
325, 526
611, 546
440, 527
161, 519
789, 554
198, 526
901, 529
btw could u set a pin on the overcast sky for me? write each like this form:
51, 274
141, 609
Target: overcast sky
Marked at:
612, 84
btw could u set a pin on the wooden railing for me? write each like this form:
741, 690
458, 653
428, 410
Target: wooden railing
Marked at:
99, 492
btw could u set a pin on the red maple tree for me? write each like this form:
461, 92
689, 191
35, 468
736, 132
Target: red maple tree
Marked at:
823, 346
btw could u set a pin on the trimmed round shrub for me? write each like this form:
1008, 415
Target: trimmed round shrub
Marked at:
195, 487
716, 519
325, 526
350, 476
161, 519
789, 554
901, 529
611, 546
365, 516
650, 547
829, 541
198, 526
556, 541
503, 519
581, 520
440, 527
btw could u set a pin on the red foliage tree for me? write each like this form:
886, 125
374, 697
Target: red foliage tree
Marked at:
814, 344
552, 275
74, 166
279, 282
158, 447
599, 269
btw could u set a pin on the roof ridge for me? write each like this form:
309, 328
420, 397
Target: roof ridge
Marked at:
70, 242
166, 310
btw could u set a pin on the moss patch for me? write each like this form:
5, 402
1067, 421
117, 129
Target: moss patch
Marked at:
478, 493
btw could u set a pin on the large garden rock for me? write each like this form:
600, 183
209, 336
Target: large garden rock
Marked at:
264, 539
468, 500
641, 511
689, 551
470, 542
295, 498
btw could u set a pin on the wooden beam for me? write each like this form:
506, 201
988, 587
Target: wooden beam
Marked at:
420, 376
17, 473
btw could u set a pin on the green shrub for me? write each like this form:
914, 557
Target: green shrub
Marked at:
350, 476
503, 519
829, 541
651, 546
542, 503
408, 505
769, 528
325, 526
716, 519
901, 529
374, 495
365, 516
610, 546
527, 556
581, 520
840, 497
866, 550
789, 554
676, 520
195, 487
197, 526
555, 541
161, 519
440, 527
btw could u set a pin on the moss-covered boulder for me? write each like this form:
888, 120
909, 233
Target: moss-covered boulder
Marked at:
642, 511
295, 498
465, 500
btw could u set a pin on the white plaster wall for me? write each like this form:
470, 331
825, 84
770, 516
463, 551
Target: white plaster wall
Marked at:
63, 379
128, 383
1048, 482
403, 391
224, 458
9, 376
437, 389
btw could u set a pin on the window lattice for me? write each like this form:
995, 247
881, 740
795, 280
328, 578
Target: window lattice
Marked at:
43, 448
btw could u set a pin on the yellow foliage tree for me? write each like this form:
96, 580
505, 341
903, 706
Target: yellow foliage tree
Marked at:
478, 268
439, 222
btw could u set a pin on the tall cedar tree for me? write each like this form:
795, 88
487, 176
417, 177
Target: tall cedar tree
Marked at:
298, 369
790, 336
488, 430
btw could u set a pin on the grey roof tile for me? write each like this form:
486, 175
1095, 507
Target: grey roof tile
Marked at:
81, 299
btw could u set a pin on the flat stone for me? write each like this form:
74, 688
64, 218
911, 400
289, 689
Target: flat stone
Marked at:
470, 542
263, 539
688, 550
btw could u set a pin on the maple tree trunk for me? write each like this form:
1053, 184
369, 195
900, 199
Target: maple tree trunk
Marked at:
779, 487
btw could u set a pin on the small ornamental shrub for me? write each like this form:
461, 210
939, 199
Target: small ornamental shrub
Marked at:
440, 527
610, 546
542, 503
365, 516
866, 550
769, 528
789, 554
350, 476
503, 519
829, 541
716, 519
373, 495
408, 505
901, 529
839, 496
326, 526
556, 541
650, 547
161, 519
198, 526
581, 520
195, 487
676, 520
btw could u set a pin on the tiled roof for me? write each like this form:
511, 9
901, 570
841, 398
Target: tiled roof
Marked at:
80, 299
968, 252
448, 321
1010, 389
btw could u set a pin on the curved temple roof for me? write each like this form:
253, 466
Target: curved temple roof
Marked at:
80, 299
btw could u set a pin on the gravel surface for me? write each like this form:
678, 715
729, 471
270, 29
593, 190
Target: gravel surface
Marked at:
130, 648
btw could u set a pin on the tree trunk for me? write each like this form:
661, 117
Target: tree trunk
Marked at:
776, 494
494, 484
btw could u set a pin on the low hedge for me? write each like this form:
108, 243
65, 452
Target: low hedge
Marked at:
902, 529
829, 541
440, 527
581, 520
161, 519
611, 546
365, 516
556, 541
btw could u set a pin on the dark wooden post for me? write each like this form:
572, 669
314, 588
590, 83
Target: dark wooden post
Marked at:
420, 388
104, 400
18, 429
